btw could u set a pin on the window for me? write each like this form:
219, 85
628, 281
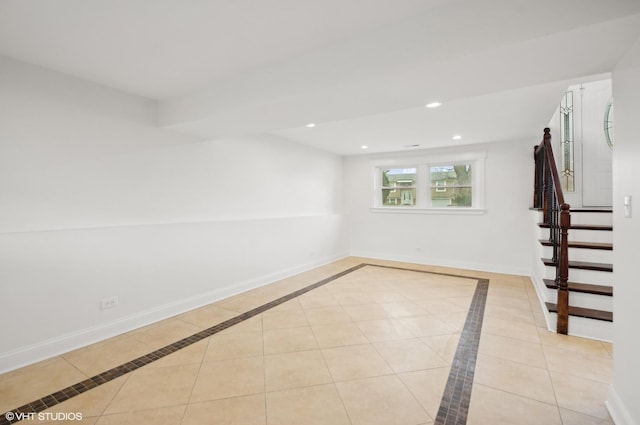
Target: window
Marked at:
567, 172
398, 186
451, 185
431, 184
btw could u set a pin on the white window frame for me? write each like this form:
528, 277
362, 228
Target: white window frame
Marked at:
423, 183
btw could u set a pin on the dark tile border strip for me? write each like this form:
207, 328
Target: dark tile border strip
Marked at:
406, 269
456, 398
454, 406
28, 410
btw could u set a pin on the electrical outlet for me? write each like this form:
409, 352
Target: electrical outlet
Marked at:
107, 303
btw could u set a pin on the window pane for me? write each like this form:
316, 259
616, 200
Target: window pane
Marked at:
451, 185
399, 177
450, 175
451, 197
406, 197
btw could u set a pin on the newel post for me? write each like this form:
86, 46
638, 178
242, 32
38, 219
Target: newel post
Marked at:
563, 272
537, 186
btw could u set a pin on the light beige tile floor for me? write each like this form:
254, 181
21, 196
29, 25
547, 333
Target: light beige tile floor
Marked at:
372, 347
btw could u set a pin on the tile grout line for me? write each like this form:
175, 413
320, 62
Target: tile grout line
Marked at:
456, 398
28, 410
193, 386
264, 372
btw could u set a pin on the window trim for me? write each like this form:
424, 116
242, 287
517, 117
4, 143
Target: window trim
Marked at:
423, 183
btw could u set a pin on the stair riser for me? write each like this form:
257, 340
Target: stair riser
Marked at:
591, 218
580, 299
589, 235
579, 235
585, 276
587, 328
582, 254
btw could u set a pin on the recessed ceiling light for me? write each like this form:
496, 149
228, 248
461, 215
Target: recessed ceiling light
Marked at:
364, 147
311, 125
457, 137
411, 146
433, 104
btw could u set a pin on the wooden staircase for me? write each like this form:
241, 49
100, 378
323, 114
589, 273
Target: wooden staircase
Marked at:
590, 251
574, 275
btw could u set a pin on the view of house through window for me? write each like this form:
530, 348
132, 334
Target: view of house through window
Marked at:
437, 183
451, 185
399, 186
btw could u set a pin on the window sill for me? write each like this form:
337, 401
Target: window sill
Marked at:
413, 210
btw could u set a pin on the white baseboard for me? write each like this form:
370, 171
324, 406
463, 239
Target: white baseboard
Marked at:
617, 409
43, 350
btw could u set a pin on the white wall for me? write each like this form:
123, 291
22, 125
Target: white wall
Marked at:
623, 397
497, 240
95, 202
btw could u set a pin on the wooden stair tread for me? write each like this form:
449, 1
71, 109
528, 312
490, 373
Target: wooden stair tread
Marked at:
582, 209
583, 265
588, 313
583, 226
592, 210
587, 245
586, 288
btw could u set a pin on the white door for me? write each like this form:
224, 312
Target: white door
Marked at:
597, 180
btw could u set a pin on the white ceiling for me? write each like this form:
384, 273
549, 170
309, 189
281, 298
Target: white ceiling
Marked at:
360, 69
